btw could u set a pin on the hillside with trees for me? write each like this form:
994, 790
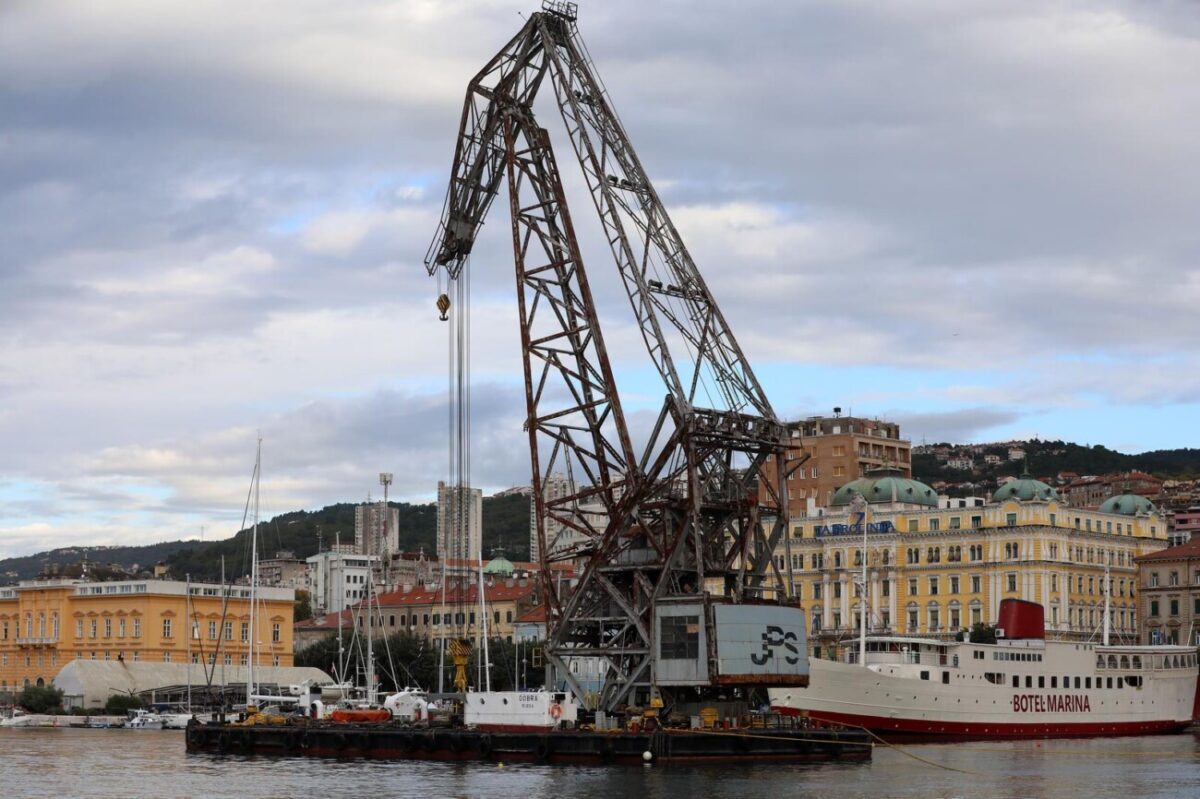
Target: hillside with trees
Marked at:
1050, 458
303, 533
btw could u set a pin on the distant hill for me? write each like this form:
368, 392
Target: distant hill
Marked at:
505, 521
1049, 458
129, 558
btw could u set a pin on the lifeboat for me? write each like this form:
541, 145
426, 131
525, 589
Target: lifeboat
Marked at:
361, 715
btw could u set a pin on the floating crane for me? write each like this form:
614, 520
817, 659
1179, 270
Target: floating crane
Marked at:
680, 595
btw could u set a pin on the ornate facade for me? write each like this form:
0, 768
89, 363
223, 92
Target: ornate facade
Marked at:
44, 624
935, 572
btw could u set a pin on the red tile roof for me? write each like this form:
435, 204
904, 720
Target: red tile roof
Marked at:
326, 622
1190, 549
535, 615
500, 591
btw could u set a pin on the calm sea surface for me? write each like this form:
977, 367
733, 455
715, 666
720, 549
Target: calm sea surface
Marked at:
123, 763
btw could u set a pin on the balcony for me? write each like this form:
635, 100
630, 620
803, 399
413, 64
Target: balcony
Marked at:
42, 641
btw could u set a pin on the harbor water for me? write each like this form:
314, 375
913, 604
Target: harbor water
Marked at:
124, 763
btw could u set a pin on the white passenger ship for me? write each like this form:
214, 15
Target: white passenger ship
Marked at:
1021, 687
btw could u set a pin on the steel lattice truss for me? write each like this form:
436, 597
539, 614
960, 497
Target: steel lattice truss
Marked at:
688, 514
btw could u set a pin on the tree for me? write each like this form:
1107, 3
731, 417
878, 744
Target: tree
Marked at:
982, 633
40, 698
303, 610
120, 704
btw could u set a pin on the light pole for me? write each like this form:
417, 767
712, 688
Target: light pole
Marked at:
385, 480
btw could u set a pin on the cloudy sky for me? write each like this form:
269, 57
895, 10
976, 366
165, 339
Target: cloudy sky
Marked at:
977, 219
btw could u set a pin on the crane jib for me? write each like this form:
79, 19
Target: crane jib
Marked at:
699, 508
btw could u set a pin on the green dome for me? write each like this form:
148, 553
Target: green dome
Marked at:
1024, 488
1127, 505
499, 565
886, 485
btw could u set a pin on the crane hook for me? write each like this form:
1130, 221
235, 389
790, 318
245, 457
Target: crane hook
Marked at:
443, 306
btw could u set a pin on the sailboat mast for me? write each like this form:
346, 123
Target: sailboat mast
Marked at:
862, 602
485, 663
254, 573
370, 664
189, 642
1107, 602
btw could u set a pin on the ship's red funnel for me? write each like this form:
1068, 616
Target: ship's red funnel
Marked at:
1021, 619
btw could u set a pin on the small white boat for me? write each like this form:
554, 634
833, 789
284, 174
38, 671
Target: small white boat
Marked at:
175, 721
143, 720
19, 718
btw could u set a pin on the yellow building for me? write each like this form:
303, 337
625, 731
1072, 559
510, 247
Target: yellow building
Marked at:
933, 571
44, 624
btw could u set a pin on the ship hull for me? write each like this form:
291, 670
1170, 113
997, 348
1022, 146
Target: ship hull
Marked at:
988, 699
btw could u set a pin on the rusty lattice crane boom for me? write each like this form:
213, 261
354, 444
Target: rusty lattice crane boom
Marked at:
690, 518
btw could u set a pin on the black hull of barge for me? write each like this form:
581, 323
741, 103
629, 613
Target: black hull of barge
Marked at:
387, 742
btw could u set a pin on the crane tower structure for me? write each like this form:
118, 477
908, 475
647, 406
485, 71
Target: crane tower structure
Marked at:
691, 519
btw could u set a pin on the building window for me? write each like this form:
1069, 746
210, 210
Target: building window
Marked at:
78, 628
837, 590
276, 633
976, 522
955, 522
1154, 579
1012, 581
95, 624
914, 555
912, 525
228, 631
166, 628
975, 583
912, 586
679, 637
933, 586
120, 628
885, 588
935, 524
1054, 582
954, 586
212, 631
166, 657
137, 628
245, 631
1173, 579
1174, 607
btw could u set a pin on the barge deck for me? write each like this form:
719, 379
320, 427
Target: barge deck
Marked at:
391, 741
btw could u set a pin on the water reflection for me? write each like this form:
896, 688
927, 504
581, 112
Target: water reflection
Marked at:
122, 763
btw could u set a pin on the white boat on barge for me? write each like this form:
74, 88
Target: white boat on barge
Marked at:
1023, 686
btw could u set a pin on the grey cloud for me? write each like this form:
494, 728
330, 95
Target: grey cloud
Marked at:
965, 424
927, 185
